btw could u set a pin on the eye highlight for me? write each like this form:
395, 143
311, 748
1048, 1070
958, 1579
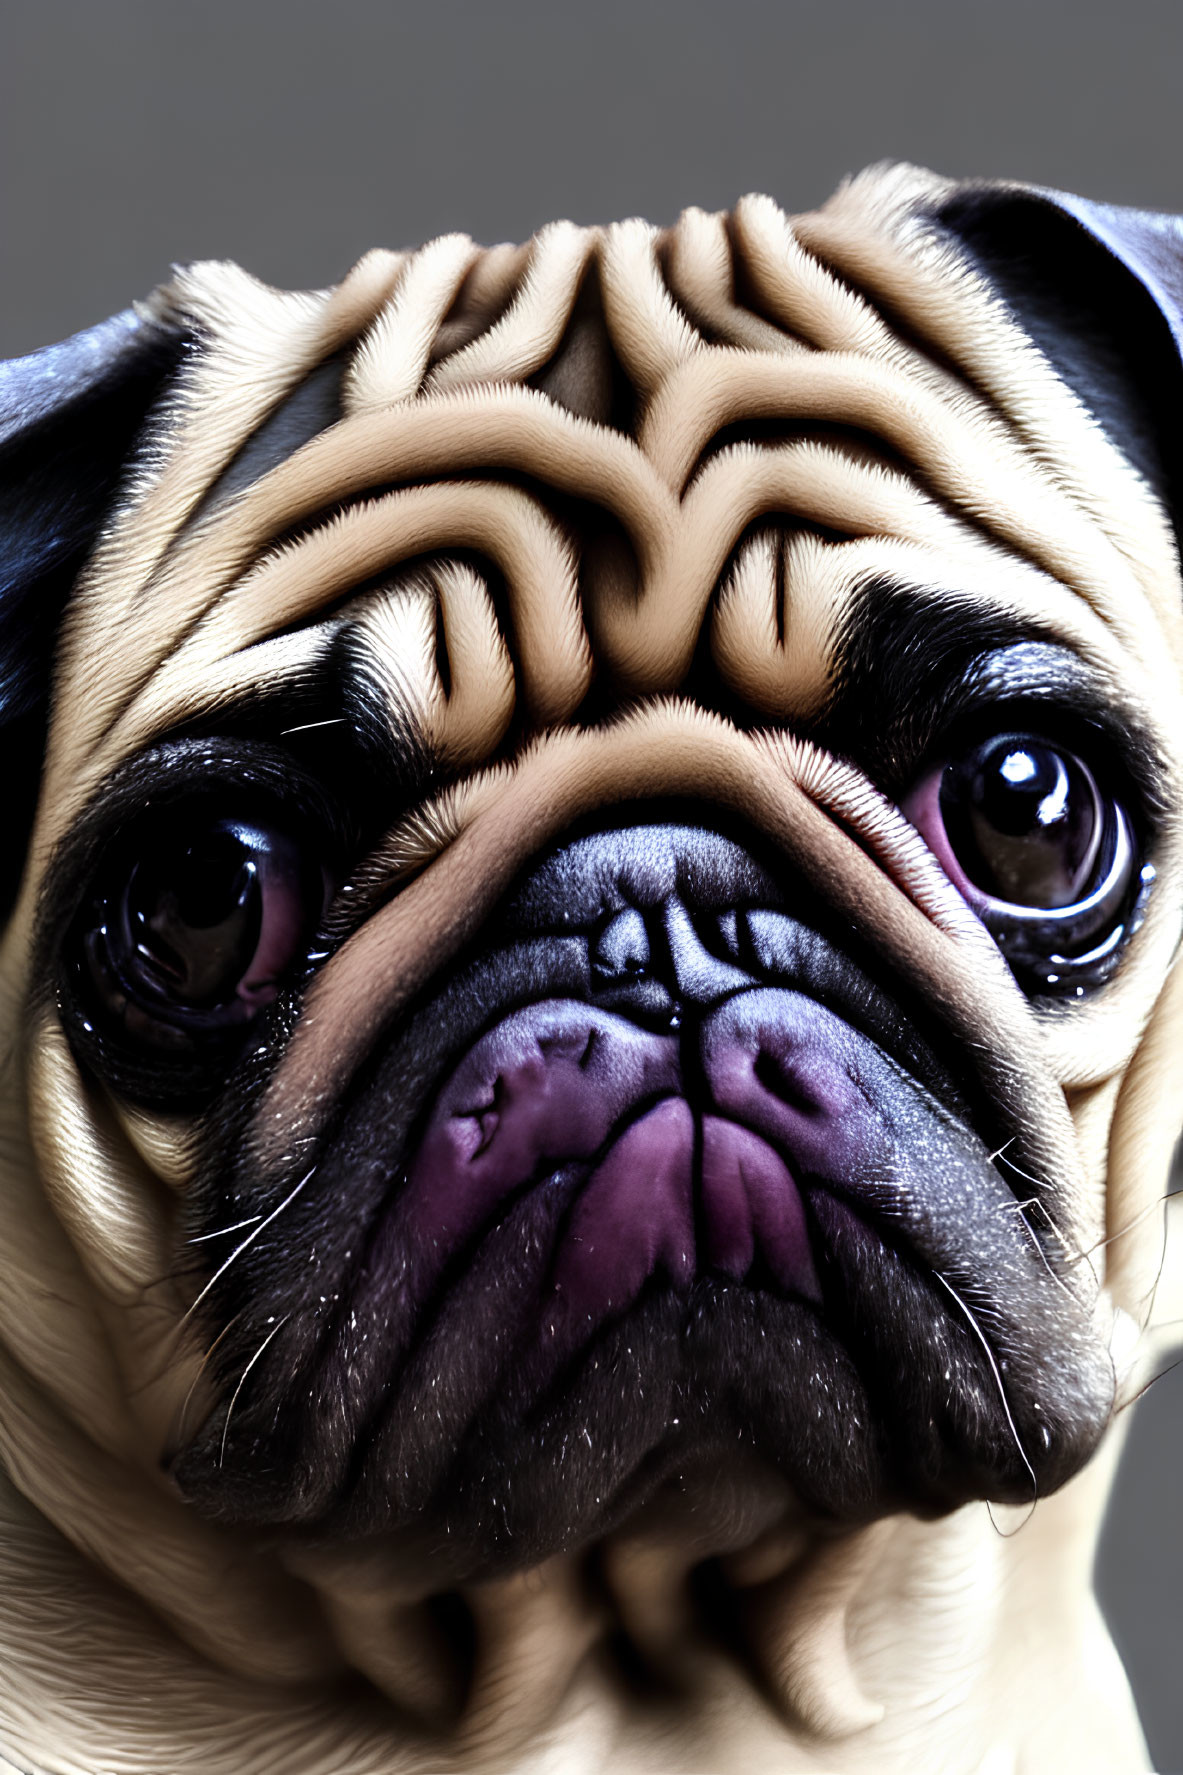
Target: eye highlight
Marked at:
1044, 855
1024, 820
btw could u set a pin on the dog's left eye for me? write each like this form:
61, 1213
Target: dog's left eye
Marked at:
191, 934
1040, 851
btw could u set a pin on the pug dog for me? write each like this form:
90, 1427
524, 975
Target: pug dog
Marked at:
591, 1030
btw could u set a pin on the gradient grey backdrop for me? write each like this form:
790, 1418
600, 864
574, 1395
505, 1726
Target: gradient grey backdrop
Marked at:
291, 136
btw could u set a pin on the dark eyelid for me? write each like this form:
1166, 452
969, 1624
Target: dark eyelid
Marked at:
1065, 699
915, 672
910, 662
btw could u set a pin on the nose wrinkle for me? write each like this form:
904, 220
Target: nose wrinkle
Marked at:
697, 976
622, 948
654, 962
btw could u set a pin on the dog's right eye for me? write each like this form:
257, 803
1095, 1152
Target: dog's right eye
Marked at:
194, 928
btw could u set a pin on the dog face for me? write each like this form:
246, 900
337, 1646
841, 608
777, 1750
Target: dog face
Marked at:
604, 864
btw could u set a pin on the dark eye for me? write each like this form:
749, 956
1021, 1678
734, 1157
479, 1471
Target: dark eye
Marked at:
196, 926
1042, 853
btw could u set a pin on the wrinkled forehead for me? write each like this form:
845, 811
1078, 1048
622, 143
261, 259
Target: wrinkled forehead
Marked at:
720, 459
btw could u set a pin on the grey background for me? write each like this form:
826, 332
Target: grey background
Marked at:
292, 136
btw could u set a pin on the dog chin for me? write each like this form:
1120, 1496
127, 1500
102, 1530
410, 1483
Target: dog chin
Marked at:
659, 1174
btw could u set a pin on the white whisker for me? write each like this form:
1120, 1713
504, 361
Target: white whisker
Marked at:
200, 1371
242, 1382
221, 1233
996, 1372
248, 1241
1022, 1209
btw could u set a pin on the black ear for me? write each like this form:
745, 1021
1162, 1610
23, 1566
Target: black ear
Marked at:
69, 419
1099, 288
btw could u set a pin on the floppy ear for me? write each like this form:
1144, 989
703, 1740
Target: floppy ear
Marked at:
1148, 243
69, 419
1099, 288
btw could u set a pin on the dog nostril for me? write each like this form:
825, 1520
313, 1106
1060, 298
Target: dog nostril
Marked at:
622, 947
781, 1080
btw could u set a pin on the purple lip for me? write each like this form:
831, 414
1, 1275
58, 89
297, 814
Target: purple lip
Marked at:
673, 1190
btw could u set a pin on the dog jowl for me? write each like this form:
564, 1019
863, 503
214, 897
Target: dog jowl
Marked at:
588, 988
